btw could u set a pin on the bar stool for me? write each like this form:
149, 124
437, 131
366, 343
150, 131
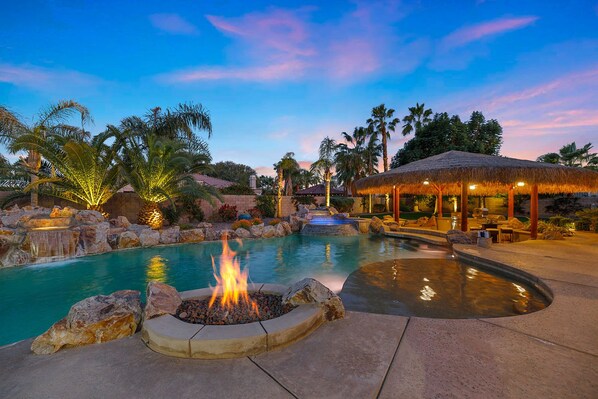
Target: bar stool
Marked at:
506, 231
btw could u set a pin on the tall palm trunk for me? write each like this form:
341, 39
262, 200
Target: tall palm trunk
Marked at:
34, 162
327, 178
151, 215
279, 195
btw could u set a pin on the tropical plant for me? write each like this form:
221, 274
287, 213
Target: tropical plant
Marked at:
303, 200
50, 122
418, 117
81, 172
325, 163
160, 169
305, 178
177, 124
587, 220
237, 189
570, 155
267, 184
350, 159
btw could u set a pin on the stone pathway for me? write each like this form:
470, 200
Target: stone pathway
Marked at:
549, 354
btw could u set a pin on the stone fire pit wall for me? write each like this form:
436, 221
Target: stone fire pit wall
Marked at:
170, 336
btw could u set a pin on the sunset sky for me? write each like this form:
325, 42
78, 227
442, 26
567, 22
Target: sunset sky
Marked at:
279, 77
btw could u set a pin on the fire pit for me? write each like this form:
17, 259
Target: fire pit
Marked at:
233, 319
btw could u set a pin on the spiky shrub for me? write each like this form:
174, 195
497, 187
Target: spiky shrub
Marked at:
160, 170
243, 224
80, 172
342, 204
274, 222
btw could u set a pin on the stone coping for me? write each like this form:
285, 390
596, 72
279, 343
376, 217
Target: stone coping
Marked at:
170, 336
428, 239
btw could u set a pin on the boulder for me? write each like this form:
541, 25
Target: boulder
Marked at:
211, 234
170, 235
16, 217
149, 237
458, 237
431, 222
120, 221
96, 319
128, 239
10, 252
227, 234
204, 225
138, 228
296, 222
376, 225
243, 233
310, 290
279, 230
269, 232
161, 299
332, 210
192, 235
515, 223
93, 239
257, 230
552, 235
302, 211
89, 217
287, 228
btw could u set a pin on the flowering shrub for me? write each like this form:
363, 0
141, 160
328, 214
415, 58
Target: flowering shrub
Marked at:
256, 221
274, 222
227, 213
244, 224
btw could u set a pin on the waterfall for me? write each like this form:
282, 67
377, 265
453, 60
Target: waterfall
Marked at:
46, 245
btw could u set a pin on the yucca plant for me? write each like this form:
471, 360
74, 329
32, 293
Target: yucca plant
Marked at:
50, 122
81, 172
159, 170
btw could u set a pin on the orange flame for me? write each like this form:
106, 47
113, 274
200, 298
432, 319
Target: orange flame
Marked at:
232, 281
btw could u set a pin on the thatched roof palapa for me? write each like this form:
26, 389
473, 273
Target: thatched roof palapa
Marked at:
491, 175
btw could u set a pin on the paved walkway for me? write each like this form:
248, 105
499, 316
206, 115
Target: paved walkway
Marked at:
549, 354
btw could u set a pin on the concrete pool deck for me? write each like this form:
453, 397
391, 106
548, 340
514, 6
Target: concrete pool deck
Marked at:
550, 353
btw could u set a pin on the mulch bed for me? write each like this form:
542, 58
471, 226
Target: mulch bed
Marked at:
196, 311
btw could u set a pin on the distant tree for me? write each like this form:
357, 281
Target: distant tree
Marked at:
418, 117
287, 168
323, 166
381, 124
570, 155
267, 184
231, 171
305, 178
445, 133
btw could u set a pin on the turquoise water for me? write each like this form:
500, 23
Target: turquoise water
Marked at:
32, 298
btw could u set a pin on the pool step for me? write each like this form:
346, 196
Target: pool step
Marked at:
427, 238
428, 232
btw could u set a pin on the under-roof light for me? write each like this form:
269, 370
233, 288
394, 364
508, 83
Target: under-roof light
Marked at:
426, 182
520, 184
472, 187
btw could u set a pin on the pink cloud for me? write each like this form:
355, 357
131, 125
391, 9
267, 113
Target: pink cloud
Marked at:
285, 71
539, 118
282, 44
43, 79
473, 33
172, 23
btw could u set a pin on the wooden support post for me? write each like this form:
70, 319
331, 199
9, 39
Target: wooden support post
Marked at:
511, 211
439, 202
464, 206
396, 202
533, 212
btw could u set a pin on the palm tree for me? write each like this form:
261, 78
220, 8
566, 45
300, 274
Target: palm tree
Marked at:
289, 167
180, 123
418, 117
570, 155
160, 169
306, 178
381, 124
51, 121
325, 163
350, 159
82, 172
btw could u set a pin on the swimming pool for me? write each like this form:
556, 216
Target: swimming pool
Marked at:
34, 297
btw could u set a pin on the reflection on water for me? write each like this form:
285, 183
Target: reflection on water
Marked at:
156, 269
442, 288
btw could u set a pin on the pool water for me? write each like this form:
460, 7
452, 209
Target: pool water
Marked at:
32, 298
438, 288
